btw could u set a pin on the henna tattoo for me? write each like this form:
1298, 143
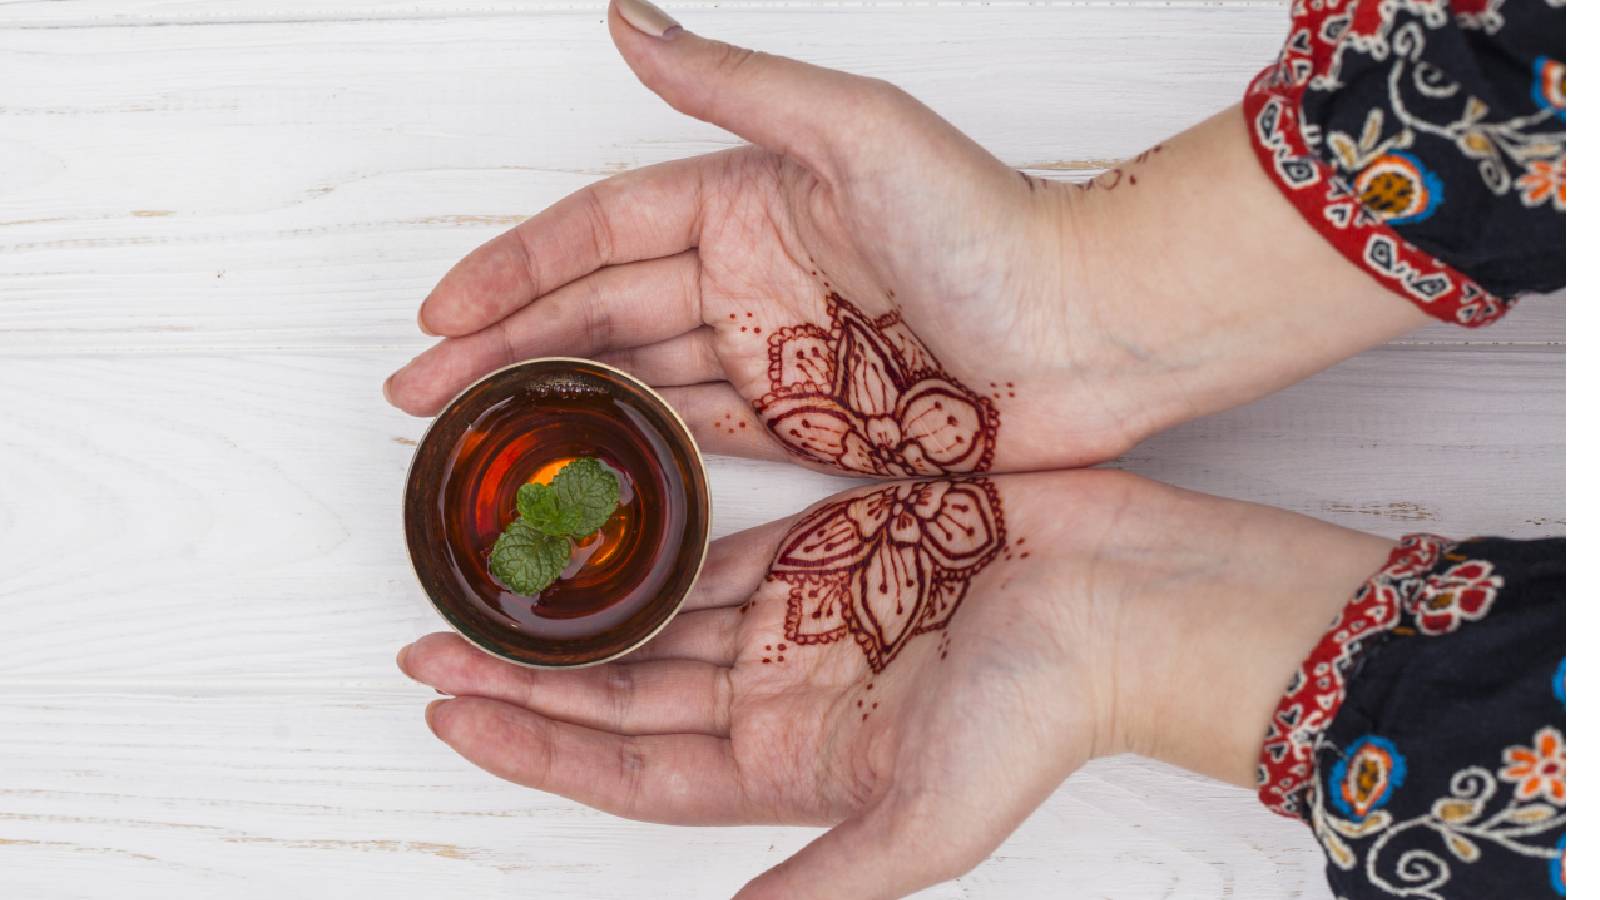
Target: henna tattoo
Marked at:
886, 566
866, 395
1111, 178
728, 424
1016, 552
747, 327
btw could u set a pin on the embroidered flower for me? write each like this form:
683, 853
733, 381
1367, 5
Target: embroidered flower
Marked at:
1559, 683
867, 396
1540, 769
1544, 181
1463, 592
1558, 868
1550, 85
1287, 768
889, 565
1399, 188
1366, 776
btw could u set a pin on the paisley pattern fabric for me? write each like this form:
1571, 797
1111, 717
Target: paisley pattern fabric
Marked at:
1424, 739
1426, 140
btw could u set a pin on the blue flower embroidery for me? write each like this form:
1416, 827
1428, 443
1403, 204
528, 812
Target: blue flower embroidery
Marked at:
1559, 683
1558, 868
1366, 776
1550, 85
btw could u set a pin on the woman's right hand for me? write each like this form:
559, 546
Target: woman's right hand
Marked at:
866, 289
919, 664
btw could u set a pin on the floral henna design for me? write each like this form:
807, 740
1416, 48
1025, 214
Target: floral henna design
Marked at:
889, 565
865, 395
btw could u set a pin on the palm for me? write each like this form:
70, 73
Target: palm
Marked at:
893, 288
876, 662
780, 238
818, 737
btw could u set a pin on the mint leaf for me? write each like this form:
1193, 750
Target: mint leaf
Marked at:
586, 493
533, 550
537, 505
527, 560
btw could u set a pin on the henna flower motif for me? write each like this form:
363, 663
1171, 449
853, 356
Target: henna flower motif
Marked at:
889, 565
867, 396
1540, 769
1460, 593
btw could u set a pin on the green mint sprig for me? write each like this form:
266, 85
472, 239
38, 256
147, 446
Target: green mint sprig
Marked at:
536, 547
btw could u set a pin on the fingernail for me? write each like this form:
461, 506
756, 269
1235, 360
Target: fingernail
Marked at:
428, 713
423, 326
400, 658
648, 18
388, 395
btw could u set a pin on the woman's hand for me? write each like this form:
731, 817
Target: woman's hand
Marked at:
867, 289
920, 664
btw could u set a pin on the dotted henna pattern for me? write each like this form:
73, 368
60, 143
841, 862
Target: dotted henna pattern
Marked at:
886, 566
865, 395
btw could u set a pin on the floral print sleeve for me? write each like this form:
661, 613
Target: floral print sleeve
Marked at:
1426, 141
1424, 738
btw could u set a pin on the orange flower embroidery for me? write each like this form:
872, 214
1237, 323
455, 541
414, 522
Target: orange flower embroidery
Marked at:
1544, 181
1540, 769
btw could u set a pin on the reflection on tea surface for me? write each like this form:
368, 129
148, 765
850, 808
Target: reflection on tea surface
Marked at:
530, 437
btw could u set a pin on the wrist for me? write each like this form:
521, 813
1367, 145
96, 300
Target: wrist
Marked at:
1227, 600
1191, 285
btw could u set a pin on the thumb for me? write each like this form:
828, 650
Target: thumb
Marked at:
786, 106
868, 857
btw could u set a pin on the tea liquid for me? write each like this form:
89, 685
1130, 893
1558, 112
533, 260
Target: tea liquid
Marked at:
530, 437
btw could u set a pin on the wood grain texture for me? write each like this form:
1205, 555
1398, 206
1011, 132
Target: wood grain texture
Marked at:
178, 163
216, 220
82, 14
335, 794
295, 185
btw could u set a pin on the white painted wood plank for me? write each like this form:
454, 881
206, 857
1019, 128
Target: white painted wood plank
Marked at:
282, 185
188, 516
1457, 442
39, 14
1537, 320
327, 795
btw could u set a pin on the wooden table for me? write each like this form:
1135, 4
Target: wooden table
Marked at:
216, 221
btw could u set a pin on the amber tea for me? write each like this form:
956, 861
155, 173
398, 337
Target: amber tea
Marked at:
523, 425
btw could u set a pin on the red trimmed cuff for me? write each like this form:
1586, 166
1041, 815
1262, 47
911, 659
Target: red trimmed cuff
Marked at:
1288, 755
1271, 108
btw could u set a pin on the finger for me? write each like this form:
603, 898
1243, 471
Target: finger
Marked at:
666, 697
689, 358
639, 303
872, 855
638, 215
705, 635
784, 105
736, 565
723, 422
685, 779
